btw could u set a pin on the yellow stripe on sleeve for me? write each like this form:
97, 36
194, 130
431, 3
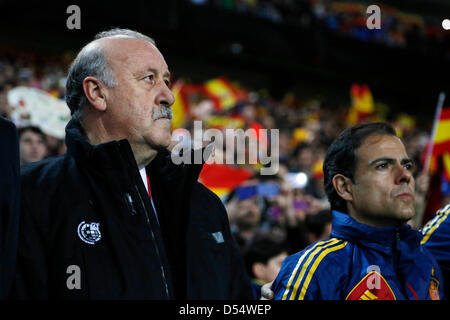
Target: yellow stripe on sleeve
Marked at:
294, 272
315, 265
431, 223
441, 215
306, 265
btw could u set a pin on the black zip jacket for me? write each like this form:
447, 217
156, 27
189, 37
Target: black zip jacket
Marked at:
9, 203
88, 229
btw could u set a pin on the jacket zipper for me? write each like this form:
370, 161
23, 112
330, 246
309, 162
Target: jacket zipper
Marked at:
397, 240
163, 274
154, 241
396, 258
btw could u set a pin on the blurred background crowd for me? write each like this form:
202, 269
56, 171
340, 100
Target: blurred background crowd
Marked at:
309, 95
400, 28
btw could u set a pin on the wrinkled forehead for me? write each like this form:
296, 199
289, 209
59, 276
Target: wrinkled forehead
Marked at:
131, 53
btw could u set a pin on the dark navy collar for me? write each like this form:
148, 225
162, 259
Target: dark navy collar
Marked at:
382, 239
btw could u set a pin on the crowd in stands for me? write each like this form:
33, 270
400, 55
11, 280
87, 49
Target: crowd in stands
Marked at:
345, 18
282, 215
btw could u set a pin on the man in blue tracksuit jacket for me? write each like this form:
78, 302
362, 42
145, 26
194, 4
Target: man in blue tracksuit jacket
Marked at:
372, 253
436, 238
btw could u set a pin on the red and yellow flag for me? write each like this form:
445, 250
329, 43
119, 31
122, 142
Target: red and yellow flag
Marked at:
317, 169
437, 161
222, 178
446, 164
362, 104
180, 107
442, 136
440, 143
222, 92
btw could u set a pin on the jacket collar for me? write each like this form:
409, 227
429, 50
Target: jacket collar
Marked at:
382, 239
118, 155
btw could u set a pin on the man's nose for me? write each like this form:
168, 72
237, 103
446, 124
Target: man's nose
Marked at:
403, 175
165, 96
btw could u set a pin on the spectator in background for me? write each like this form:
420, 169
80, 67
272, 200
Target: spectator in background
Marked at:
304, 156
295, 206
263, 258
56, 147
319, 225
245, 214
9, 204
33, 145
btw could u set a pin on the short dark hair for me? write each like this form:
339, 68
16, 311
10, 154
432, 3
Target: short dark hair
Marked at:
341, 157
261, 249
33, 129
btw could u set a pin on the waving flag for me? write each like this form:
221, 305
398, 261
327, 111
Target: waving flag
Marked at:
180, 107
437, 158
442, 137
362, 104
222, 92
222, 178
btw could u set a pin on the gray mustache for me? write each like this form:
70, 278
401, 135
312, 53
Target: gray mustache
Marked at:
162, 112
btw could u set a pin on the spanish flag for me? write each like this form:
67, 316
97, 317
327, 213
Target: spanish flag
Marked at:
442, 136
317, 169
439, 144
222, 178
180, 107
441, 147
362, 104
222, 92
437, 161
446, 165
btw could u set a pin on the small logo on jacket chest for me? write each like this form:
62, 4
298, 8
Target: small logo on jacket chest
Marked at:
89, 232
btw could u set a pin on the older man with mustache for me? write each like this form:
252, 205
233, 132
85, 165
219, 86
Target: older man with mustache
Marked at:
372, 253
115, 218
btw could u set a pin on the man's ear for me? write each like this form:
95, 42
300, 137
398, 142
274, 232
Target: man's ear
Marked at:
343, 187
95, 93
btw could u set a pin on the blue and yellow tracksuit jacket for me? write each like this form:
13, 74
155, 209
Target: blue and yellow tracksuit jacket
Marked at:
436, 238
360, 262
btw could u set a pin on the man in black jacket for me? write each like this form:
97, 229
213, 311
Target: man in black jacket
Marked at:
9, 203
115, 218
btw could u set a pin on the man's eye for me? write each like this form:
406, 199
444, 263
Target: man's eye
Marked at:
150, 78
381, 166
409, 166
